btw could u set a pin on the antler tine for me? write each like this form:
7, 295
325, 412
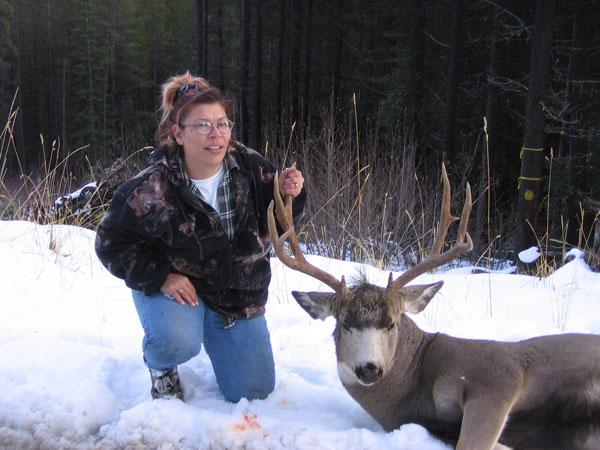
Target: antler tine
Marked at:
298, 262
435, 259
446, 218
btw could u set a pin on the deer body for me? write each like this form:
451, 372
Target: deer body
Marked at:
520, 404
541, 393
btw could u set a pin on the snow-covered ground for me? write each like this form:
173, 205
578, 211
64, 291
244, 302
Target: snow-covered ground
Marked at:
72, 376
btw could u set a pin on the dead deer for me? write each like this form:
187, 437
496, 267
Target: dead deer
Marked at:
541, 393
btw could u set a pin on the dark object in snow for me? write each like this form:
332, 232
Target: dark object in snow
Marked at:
86, 206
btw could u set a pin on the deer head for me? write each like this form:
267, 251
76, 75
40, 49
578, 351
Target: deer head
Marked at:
368, 317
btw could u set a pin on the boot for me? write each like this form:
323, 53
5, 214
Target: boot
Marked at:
165, 384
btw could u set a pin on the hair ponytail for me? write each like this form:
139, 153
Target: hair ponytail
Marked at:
169, 90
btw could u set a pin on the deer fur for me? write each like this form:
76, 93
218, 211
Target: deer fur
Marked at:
541, 393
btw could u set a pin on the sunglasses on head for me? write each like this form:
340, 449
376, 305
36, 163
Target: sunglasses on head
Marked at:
186, 87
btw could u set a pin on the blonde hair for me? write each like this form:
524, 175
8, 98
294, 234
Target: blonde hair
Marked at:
172, 105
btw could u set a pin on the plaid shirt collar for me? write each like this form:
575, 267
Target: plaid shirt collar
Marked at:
225, 193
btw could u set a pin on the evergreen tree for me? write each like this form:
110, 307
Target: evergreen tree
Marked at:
8, 54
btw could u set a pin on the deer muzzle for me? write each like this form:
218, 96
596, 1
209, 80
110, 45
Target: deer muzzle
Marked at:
368, 373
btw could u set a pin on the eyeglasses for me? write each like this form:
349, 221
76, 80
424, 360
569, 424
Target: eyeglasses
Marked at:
205, 126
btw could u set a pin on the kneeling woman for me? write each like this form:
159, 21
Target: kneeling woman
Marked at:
189, 236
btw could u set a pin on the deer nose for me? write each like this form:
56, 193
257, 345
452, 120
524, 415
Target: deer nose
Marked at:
369, 373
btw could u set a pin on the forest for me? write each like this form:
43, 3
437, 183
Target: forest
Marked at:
368, 98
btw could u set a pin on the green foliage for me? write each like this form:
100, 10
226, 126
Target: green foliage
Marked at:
6, 15
90, 50
8, 52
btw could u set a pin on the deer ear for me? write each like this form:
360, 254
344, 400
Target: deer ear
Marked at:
417, 297
316, 304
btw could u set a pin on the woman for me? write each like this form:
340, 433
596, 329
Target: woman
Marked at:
189, 236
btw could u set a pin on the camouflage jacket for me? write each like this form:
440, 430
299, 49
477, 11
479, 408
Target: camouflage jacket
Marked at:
155, 225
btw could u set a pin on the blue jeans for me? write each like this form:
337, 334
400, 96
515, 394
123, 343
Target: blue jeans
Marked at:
241, 355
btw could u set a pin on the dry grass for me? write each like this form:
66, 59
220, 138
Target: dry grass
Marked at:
45, 196
366, 201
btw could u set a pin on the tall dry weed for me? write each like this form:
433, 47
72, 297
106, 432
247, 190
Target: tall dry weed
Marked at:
365, 200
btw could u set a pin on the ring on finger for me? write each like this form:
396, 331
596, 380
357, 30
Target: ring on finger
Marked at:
296, 185
180, 292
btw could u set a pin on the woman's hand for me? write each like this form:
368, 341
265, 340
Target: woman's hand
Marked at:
291, 181
180, 288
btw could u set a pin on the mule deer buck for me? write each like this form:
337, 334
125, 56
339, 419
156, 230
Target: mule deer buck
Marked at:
541, 393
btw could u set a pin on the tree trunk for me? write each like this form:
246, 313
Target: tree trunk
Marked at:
64, 110
49, 108
294, 60
202, 36
9, 70
579, 99
67, 81
532, 158
220, 46
279, 71
41, 65
109, 86
483, 207
90, 79
244, 71
453, 79
415, 74
306, 61
256, 116
336, 64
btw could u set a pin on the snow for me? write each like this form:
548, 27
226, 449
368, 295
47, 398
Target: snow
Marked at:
530, 255
72, 374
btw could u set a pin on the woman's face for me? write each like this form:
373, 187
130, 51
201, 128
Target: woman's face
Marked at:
203, 153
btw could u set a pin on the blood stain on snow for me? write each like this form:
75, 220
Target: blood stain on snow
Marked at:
248, 423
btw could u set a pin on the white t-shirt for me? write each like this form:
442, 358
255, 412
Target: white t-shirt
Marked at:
209, 187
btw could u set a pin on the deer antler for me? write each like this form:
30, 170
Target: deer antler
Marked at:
435, 258
298, 262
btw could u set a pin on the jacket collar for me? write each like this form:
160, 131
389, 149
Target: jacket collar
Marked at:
168, 159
